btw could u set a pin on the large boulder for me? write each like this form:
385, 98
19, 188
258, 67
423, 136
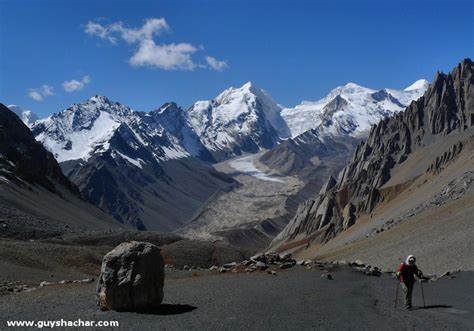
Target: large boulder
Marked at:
132, 278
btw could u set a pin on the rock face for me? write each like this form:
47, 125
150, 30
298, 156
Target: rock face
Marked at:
23, 158
132, 278
446, 108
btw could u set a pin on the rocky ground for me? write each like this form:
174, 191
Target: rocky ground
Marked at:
295, 298
78, 256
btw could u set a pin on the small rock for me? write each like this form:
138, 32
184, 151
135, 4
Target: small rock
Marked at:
230, 265
214, 267
186, 267
261, 266
222, 269
45, 283
327, 276
259, 258
87, 280
285, 256
272, 272
359, 263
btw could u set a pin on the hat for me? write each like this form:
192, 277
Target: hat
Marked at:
410, 259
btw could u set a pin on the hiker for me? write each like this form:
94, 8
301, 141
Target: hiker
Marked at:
406, 273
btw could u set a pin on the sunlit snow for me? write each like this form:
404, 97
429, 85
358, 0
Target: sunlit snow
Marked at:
245, 165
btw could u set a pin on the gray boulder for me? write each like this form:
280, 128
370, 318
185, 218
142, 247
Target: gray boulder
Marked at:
132, 278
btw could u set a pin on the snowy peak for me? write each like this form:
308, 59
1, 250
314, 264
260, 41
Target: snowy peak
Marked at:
100, 125
419, 84
350, 109
167, 108
27, 116
243, 119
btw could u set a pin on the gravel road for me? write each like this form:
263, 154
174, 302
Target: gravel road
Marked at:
295, 299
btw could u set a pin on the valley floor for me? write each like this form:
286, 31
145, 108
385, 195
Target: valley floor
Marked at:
294, 299
260, 196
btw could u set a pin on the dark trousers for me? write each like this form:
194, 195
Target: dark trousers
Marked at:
408, 288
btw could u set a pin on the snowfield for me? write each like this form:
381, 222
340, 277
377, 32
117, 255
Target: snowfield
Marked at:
246, 165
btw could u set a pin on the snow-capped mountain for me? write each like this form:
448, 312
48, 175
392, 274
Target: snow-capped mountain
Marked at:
150, 170
238, 120
85, 129
350, 109
331, 127
144, 169
27, 116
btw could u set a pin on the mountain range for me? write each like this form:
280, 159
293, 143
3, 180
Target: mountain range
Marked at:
153, 170
410, 179
145, 169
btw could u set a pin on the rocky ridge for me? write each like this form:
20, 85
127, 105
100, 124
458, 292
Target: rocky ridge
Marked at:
446, 108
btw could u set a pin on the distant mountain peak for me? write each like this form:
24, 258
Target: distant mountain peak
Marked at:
27, 116
353, 109
248, 85
354, 85
100, 98
419, 84
169, 106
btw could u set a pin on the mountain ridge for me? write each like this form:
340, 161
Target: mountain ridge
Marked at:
445, 109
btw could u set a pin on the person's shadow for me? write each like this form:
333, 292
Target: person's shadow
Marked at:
169, 309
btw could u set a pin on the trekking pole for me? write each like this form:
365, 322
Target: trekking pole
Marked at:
422, 294
396, 295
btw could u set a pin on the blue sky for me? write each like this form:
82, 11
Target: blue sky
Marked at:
56, 53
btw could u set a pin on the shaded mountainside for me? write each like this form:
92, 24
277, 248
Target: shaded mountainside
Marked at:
310, 156
27, 116
445, 110
36, 199
155, 196
23, 158
148, 170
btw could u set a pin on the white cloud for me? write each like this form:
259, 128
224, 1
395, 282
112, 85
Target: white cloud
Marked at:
76, 85
40, 93
215, 63
96, 29
167, 57
174, 56
151, 27
35, 95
